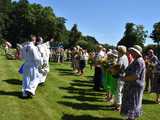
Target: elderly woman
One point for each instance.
(109, 82)
(123, 64)
(134, 85)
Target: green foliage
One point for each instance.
(150, 46)
(107, 46)
(133, 35)
(155, 35)
(18, 20)
(74, 36)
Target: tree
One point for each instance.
(20, 19)
(5, 7)
(155, 35)
(74, 36)
(133, 35)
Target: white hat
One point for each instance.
(114, 53)
(137, 49)
(122, 48)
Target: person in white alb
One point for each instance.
(30, 73)
(44, 49)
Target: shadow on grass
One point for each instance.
(66, 73)
(11, 93)
(62, 69)
(81, 84)
(13, 81)
(84, 98)
(80, 91)
(82, 81)
(148, 101)
(86, 117)
(86, 106)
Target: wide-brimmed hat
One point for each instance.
(99, 47)
(137, 49)
(78, 47)
(122, 49)
(114, 53)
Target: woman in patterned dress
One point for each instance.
(134, 85)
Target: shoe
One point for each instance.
(29, 94)
(41, 84)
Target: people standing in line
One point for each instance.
(75, 59)
(153, 74)
(98, 68)
(82, 62)
(86, 56)
(62, 54)
(109, 82)
(151, 61)
(123, 64)
(91, 59)
(30, 73)
(134, 85)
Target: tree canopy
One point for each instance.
(18, 20)
(133, 35)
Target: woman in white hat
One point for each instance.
(134, 85)
(123, 64)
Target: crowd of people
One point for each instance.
(122, 73)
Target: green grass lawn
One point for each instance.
(64, 97)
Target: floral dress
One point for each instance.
(133, 90)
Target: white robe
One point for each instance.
(32, 61)
(45, 52)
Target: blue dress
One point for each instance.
(133, 90)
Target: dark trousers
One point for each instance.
(148, 80)
(97, 78)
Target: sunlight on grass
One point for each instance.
(64, 97)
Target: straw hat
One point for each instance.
(137, 49)
(99, 47)
(114, 53)
(122, 49)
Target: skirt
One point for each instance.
(155, 82)
(109, 83)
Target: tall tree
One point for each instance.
(133, 35)
(155, 35)
(5, 8)
(74, 36)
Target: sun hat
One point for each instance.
(122, 49)
(137, 49)
(99, 47)
(114, 53)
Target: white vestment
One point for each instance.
(45, 52)
(30, 74)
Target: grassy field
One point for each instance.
(64, 97)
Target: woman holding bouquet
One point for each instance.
(109, 82)
(134, 85)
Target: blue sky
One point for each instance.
(105, 19)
